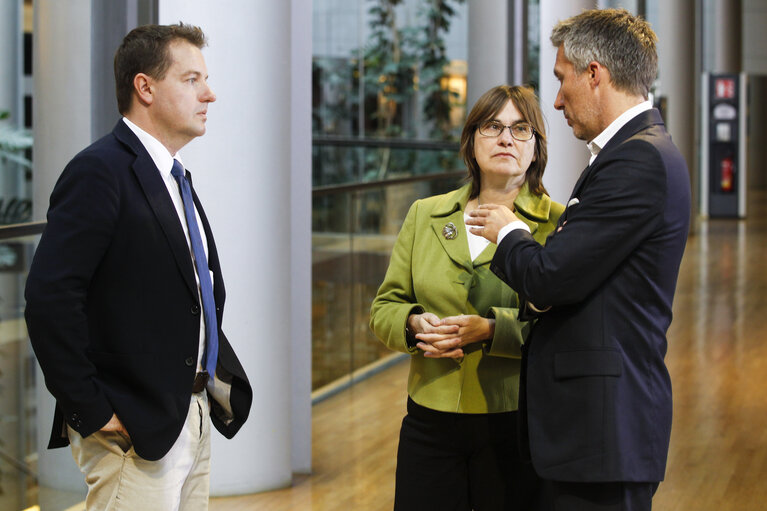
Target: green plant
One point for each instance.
(400, 62)
(394, 86)
(439, 98)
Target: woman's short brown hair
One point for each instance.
(485, 109)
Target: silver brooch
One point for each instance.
(449, 231)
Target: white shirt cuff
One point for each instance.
(506, 229)
(536, 309)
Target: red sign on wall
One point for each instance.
(724, 88)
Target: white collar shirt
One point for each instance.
(163, 160)
(603, 138)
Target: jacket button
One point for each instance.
(189, 361)
(195, 309)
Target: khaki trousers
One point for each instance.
(119, 480)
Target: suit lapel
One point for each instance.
(456, 248)
(638, 123)
(485, 256)
(447, 216)
(581, 180)
(157, 195)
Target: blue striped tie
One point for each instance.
(206, 286)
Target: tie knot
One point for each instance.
(178, 169)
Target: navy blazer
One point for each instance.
(113, 311)
(597, 391)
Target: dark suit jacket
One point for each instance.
(598, 394)
(112, 305)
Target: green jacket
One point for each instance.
(430, 273)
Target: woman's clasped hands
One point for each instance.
(446, 337)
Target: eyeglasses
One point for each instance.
(519, 131)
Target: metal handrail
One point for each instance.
(321, 191)
(391, 143)
(33, 228)
(19, 230)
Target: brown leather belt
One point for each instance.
(200, 381)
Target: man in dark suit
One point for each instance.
(125, 296)
(597, 391)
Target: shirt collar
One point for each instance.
(531, 206)
(603, 138)
(158, 152)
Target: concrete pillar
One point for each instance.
(568, 156)
(677, 75)
(301, 234)
(490, 47)
(62, 122)
(757, 133)
(754, 62)
(62, 127)
(242, 171)
(722, 40)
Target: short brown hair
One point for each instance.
(145, 50)
(485, 109)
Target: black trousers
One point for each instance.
(462, 462)
(617, 496)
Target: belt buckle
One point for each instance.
(200, 381)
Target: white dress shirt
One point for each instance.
(163, 160)
(603, 138)
(476, 243)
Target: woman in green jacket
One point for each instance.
(441, 303)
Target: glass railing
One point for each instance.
(354, 228)
(18, 432)
(352, 160)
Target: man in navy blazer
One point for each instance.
(596, 391)
(113, 295)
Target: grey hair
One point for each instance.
(621, 42)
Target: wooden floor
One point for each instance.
(718, 363)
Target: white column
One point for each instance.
(242, 171)
(675, 28)
(62, 127)
(62, 99)
(489, 33)
(725, 16)
(301, 234)
(568, 156)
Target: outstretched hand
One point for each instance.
(488, 220)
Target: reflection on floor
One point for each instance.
(354, 444)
